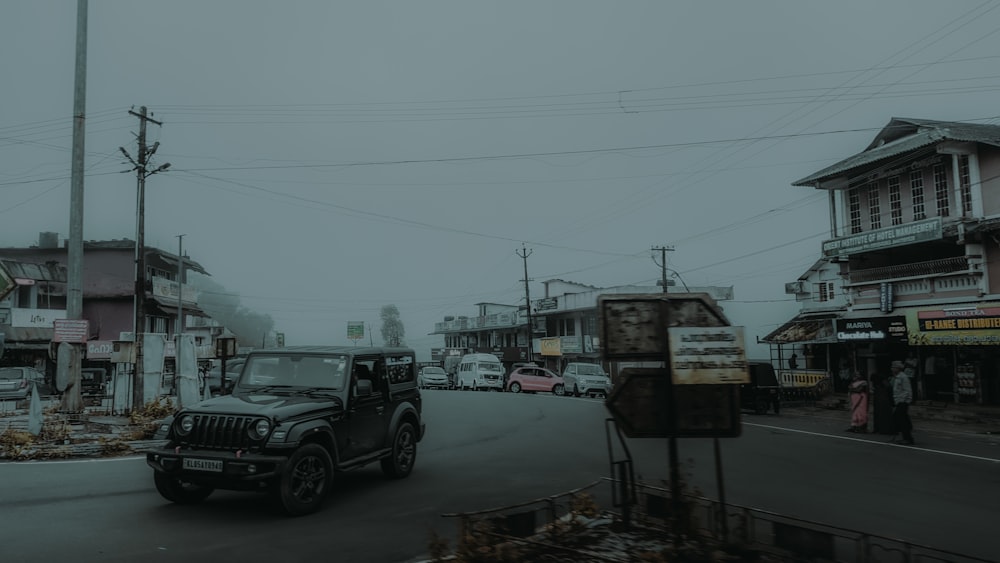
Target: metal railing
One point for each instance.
(957, 264)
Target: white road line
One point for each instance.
(64, 461)
(875, 442)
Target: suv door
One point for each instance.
(368, 413)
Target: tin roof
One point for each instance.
(905, 135)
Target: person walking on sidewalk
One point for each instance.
(902, 395)
(858, 390)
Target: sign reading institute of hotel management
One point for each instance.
(899, 235)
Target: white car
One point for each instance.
(586, 379)
(433, 377)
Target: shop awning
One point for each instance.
(169, 308)
(804, 330)
(26, 337)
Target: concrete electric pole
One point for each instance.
(72, 401)
(527, 297)
(140, 165)
(662, 264)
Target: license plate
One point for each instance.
(203, 464)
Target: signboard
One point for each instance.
(976, 324)
(355, 330)
(885, 297)
(570, 344)
(550, 346)
(639, 405)
(708, 355)
(99, 349)
(634, 327)
(546, 304)
(875, 328)
(66, 330)
(899, 235)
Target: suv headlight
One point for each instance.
(185, 425)
(260, 429)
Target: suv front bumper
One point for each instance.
(216, 467)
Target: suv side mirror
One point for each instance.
(363, 387)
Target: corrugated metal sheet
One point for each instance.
(904, 135)
(804, 330)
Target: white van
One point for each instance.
(480, 371)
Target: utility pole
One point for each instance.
(142, 172)
(662, 264)
(72, 401)
(179, 329)
(527, 296)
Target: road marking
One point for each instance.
(66, 460)
(852, 439)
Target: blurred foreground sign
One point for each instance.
(640, 405)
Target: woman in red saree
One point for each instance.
(858, 391)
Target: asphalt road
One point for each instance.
(485, 450)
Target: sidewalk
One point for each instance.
(984, 417)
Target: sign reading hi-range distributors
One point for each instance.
(899, 235)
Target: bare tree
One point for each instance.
(392, 328)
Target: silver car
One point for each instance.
(586, 379)
(16, 383)
(432, 377)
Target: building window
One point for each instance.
(965, 183)
(895, 201)
(874, 210)
(569, 327)
(854, 205)
(941, 190)
(825, 291)
(156, 325)
(917, 194)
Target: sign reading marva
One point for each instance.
(707, 355)
(917, 231)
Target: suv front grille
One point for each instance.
(220, 432)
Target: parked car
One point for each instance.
(480, 371)
(763, 393)
(296, 417)
(586, 379)
(531, 379)
(16, 382)
(233, 368)
(433, 377)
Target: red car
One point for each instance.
(531, 379)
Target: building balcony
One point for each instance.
(945, 266)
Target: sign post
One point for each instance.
(355, 331)
(694, 393)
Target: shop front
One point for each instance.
(959, 350)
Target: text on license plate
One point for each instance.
(203, 464)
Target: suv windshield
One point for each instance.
(295, 370)
(589, 369)
(491, 366)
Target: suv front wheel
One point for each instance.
(304, 483)
(179, 491)
(404, 452)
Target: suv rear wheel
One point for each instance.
(404, 452)
(304, 483)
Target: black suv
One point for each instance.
(295, 417)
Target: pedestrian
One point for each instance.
(793, 361)
(902, 395)
(858, 391)
(882, 404)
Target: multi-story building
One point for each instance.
(565, 325)
(911, 270)
(108, 296)
(35, 300)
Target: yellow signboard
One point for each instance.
(974, 324)
(551, 346)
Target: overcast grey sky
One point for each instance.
(329, 158)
